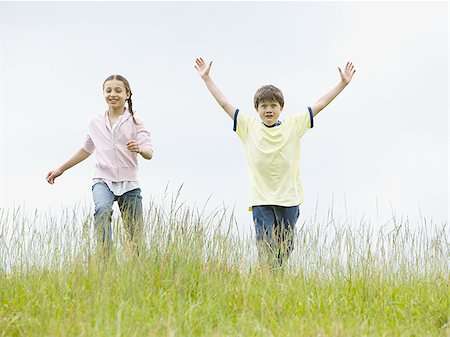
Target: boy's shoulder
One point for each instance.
(247, 117)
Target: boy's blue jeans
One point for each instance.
(274, 227)
(130, 205)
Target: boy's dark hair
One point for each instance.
(268, 93)
(127, 88)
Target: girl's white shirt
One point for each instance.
(118, 188)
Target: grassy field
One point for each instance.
(197, 277)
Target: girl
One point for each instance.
(117, 137)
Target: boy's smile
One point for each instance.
(269, 112)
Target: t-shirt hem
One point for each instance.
(235, 120)
(283, 204)
(311, 117)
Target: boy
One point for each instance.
(272, 148)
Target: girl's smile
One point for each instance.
(115, 94)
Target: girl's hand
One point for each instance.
(52, 175)
(202, 68)
(347, 74)
(133, 146)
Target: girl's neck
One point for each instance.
(116, 112)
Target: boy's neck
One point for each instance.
(273, 125)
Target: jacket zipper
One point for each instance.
(113, 132)
(114, 145)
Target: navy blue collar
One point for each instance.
(273, 125)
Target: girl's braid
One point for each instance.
(130, 108)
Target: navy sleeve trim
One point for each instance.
(235, 120)
(311, 117)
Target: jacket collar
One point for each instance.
(125, 116)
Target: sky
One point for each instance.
(379, 149)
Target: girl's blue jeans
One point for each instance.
(130, 205)
(274, 226)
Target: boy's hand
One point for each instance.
(202, 68)
(347, 74)
(346, 77)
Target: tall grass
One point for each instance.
(199, 276)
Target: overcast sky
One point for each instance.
(382, 145)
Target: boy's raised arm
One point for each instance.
(203, 70)
(346, 77)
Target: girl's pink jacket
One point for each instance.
(114, 161)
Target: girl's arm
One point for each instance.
(346, 77)
(145, 151)
(77, 158)
(142, 144)
(203, 70)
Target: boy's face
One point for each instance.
(269, 111)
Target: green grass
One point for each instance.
(197, 278)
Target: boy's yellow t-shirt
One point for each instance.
(273, 157)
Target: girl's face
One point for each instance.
(115, 94)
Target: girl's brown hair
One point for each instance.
(127, 88)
